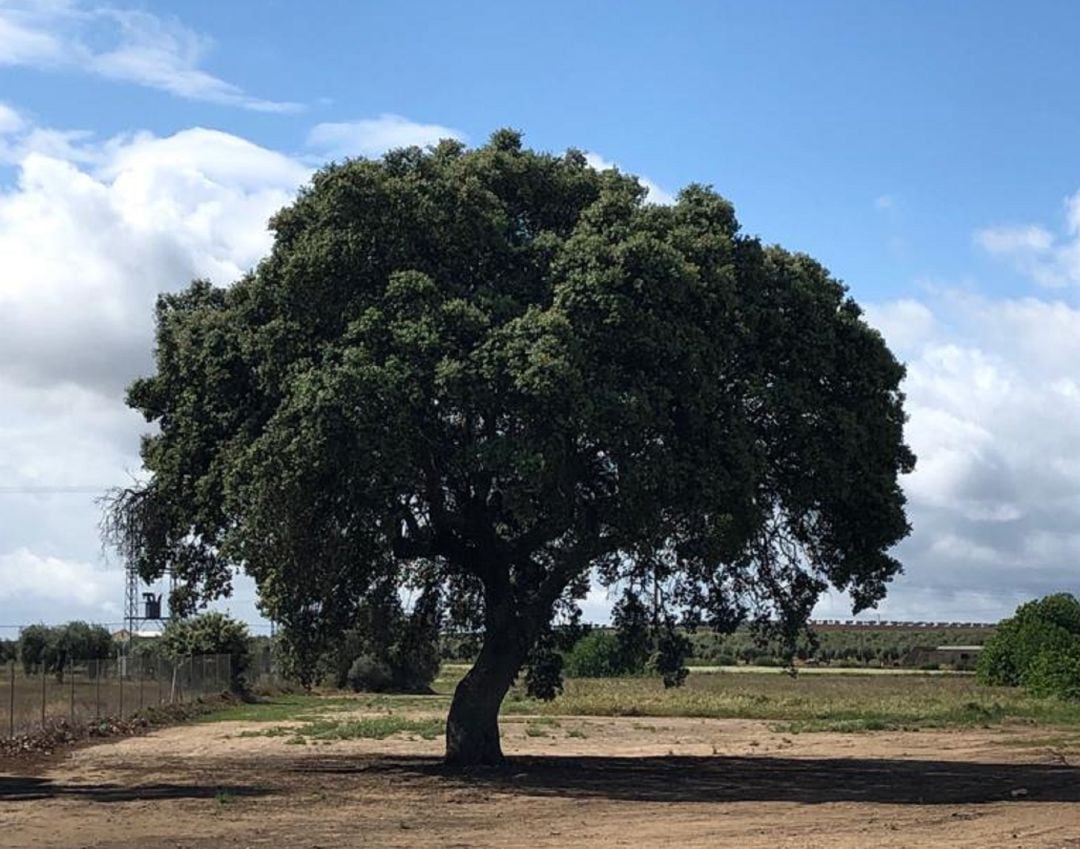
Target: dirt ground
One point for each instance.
(587, 782)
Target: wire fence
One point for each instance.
(84, 691)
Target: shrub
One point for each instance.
(596, 655)
(386, 638)
(370, 674)
(1036, 648)
(1055, 673)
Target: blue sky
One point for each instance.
(926, 152)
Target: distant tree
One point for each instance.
(34, 641)
(1038, 647)
(505, 372)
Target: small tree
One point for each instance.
(211, 633)
(34, 642)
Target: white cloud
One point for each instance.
(655, 194)
(148, 214)
(372, 137)
(90, 233)
(32, 583)
(125, 45)
(22, 43)
(1047, 258)
(994, 409)
(10, 120)
(906, 323)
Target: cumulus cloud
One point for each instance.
(655, 194)
(126, 45)
(32, 584)
(1050, 259)
(87, 248)
(10, 120)
(372, 137)
(90, 233)
(994, 407)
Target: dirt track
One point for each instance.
(627, 782)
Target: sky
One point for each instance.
(927, 153)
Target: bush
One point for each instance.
(1055, 673)
(387, 639)
(596, 655)
(1037, 648)
(370, 674)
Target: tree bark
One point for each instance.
(472, 727)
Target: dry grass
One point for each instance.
(807, 702)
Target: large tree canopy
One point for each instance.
(495, 375)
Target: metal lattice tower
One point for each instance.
(142, 607)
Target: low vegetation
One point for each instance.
(824, 702)
(1038, 648)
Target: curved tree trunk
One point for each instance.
(472, 727)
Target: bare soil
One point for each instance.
(587, 782)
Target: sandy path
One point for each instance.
(588, 782)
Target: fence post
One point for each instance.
(71, 683)
(142, 661)
(43, 680)
(120, 664)
(11, 702)
(97, 689)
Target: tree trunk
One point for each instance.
(472, 727)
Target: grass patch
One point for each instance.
(280, 708)
(368, 728)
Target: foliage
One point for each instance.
(57, 647)
(1055, 672)
(633, 632)
(597, 655)
(1037, 647)
(544, 669)
(865, 645)
(501, 372)
(209, 634)
(387, 648)
(371, 674)
(669, 655)
(9, 650)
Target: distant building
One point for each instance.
(957, 657)
(123, 635)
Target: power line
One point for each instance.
(51, 490)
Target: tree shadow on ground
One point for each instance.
(746, 779)
(33, 789)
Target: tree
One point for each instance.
(507, 374)
(210, 633)
(34, 641)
